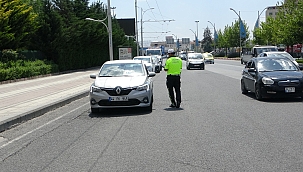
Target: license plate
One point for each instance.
(290, 89)
(117, 98)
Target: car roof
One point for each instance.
(265, 46)
(269, 57)
(276, 52)
(142, 56)
(122, 61)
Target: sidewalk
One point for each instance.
(23, 100)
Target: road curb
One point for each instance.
(17, 120)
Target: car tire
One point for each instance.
(94, 110)
(187, 68)
(203, 67)
(258, 93)
(150, 107)
(243, 89)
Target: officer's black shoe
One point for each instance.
(178, 105)
(172, 105)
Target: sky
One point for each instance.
(185, 13)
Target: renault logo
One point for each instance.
(118, 90)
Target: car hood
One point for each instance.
(284, 74)
(195, 60)
(124, 82)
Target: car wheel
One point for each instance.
(150, 107)
(258, 92)
(243, 89)
(94, 110)
(203, 67)
(242, 61)
(187, 68)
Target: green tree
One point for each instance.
(207, 41)
(17, 24)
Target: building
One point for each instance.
(272, 11)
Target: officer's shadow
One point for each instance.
(173, 109)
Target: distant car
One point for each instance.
(148, 61)
(157, 63)
(122, 83)
(278, 54)
(255, 51)
(269, 77)
(182, 56)
(195, 60)
(209, 58)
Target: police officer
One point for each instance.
(173, 67)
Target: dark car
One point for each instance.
(270, 77)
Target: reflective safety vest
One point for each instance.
(173, 66)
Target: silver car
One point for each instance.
(148, 61)
(195, 60)
(122, 83)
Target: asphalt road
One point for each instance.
(216, 129)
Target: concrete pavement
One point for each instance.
(23, 100)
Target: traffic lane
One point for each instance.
(216, 129)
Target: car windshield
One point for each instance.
(121, 69)
(281, 54)
(261, 50)
(195, 56)
(144, 59)
(153, 52)
(209, 56)
(272, 64)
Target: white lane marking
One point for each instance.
(20, 137)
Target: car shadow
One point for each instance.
(276, 100)
(119, 112)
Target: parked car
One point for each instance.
(272, 77)
(255, 51)
(195, 60)
(157, 63)
(209, 58)
(278, 54)
(122, 83)
(182, 56)
(148, 61)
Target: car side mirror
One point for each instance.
(301, 67)
(93, 76)
(151, 74)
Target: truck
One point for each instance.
(255, 51)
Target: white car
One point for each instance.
(148, 61)
(195, 60)
(120, 84)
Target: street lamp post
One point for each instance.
(259, 14)
(137, 37)
(142, 13)
(176, 42)
(195, 36)
(109, 30)
(197, 39)
(214, 34)
(239, 29)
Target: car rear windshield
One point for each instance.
(147, 59)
